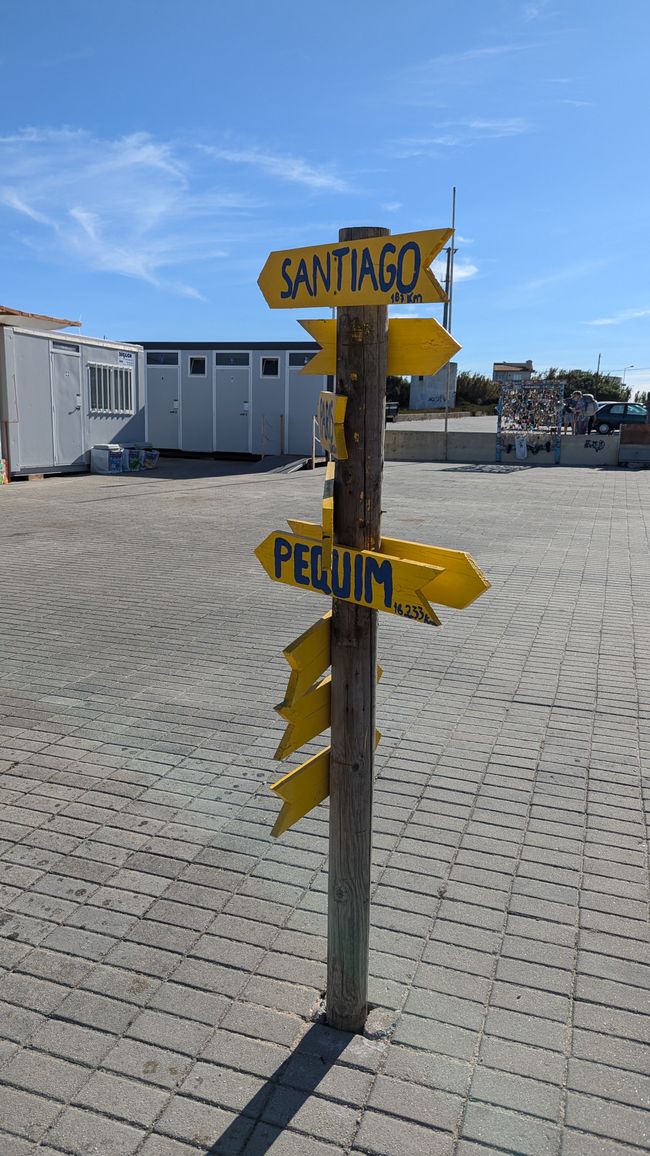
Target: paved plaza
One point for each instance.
(164, 956)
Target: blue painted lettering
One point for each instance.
(325, 274)
(338, 255)
(318, 578)
(341, 586)
(358, 577)
(402, 285)
(367, 269)
(282, 551)
(354, 260)
(285, 265)
(301, 563)
(387, 272)
(302, 278)
(382, 574)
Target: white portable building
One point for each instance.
(231, 398)
(61, 394)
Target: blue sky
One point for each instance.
(153, 153)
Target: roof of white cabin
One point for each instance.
(40, 321)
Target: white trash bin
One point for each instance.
(106, 459)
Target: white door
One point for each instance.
(233, 409)
(163, 406)
(67, 418)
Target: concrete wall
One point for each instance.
(409, 445)
(594, 450)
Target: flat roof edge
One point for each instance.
(240, 346)
(75, 338)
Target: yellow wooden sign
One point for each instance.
(331, 415)
(307, 717)
(303, 789)
(309, 658)
(459, 583)
(371, 271)
(364, 577)
(416, 345)
(328, 517)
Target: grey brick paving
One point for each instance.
(161, 955)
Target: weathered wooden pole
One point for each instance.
(361, 362)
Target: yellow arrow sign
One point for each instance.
(416, 345)
(307, 716)
(459, 584)
(303, 789)
(309, 657)
(371, 271)
(364, 577)
(331, 415)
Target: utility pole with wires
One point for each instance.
(449, 288)
(597, 375)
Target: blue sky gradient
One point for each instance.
(152, 154)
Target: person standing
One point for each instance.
(579, 413)
(567, 415)
(591, 409)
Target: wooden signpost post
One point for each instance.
(346, 558)
(361, 370)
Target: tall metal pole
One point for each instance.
(445, 308)
(449, 287)
(361, 366)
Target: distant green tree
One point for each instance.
(476, 389)
(641, 396)
(604, 386)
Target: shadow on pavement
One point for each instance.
(487, 468)
(177, 469)
(263, 1119)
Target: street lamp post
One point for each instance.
(625, 371)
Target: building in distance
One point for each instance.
(512, 372)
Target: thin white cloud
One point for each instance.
(130, 205)
(622, 317)
(429, 81)
(463, 133)
(42, 136)
(509, 126)
(463, 270)
(410, 311)
(420, 146)
(574, 271)
(392, 206)
(284, 167)
(470, 55)
(10, 198)
(533, 9)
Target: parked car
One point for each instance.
(392, 410)
(611, 414)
